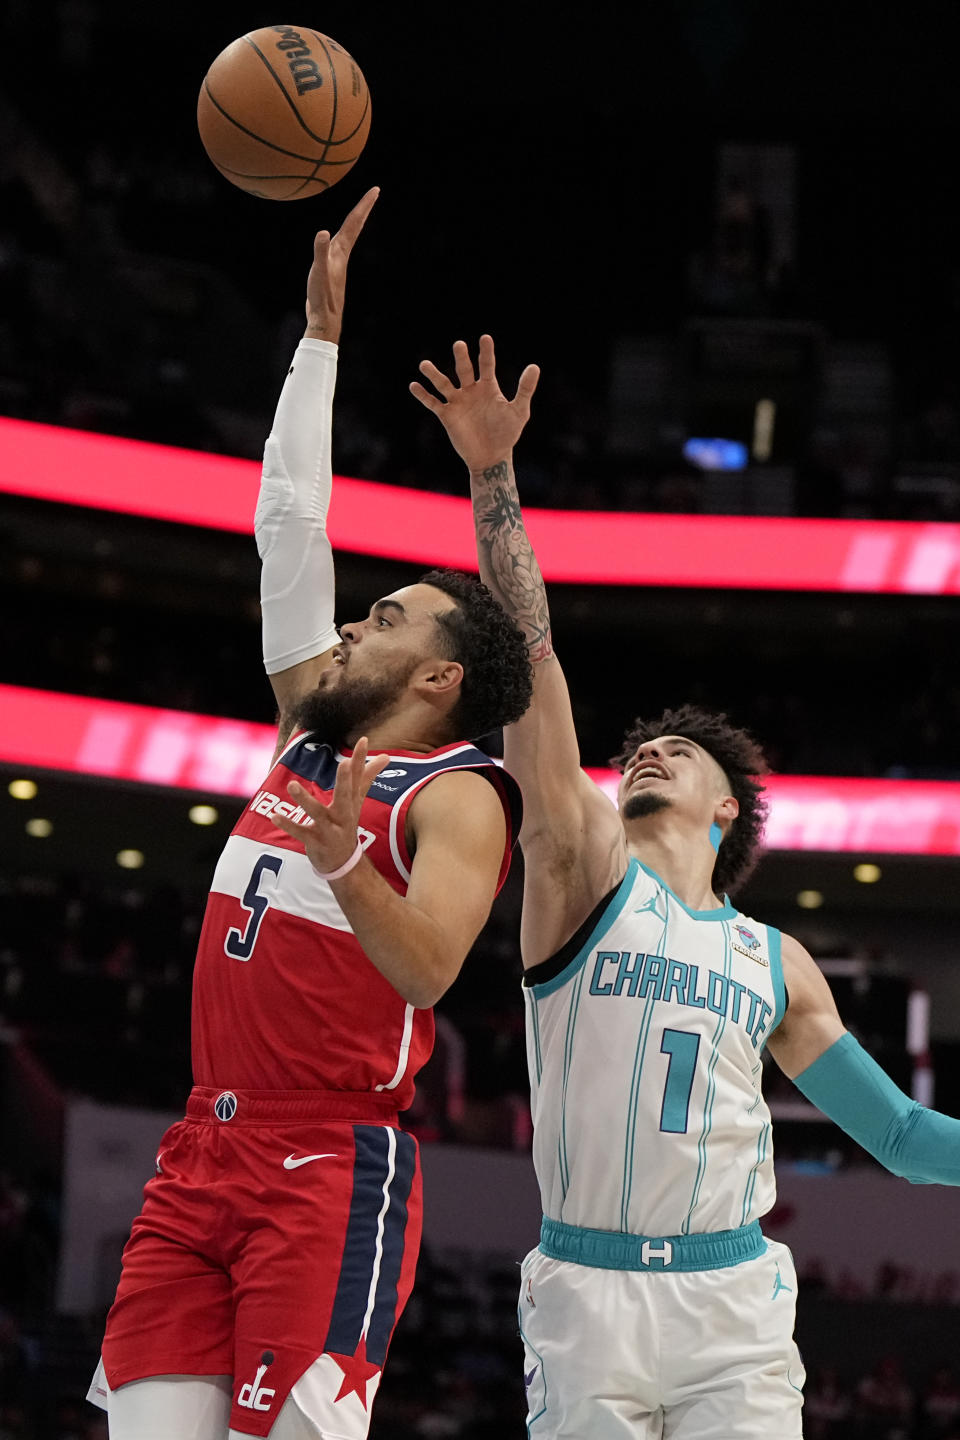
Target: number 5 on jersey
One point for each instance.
(239, 943)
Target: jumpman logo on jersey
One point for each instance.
(778, 1285)
(650, 905)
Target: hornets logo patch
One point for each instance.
(749, 946)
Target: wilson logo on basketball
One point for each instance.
(303, 68)
(283, 112)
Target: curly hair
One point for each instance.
(497, 674)
(741, 760)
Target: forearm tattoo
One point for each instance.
(507, 562)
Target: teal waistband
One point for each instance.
(609, 1250)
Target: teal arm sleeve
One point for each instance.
(849, 1086)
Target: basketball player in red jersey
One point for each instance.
(277, 1242)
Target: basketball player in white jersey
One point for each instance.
(654, 1306)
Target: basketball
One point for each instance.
(284, 112)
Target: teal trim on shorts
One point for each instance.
(611, 1250)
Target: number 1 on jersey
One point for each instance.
(239, 943)
(682, 1047)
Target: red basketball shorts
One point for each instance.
(284, 1232)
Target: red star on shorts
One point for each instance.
(357, 1370)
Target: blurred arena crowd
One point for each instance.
(121, 956)
(463, 1314)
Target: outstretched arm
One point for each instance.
(297, 581)
(572, 838)
(483, 427)
(834, 1072)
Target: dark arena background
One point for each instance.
(728, 233)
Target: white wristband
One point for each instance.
(345, 868)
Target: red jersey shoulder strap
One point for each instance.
(465, 758)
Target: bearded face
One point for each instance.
(343, 708)
(644, 802)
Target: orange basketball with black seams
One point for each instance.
(284, 112)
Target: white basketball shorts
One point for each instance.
(650, 1355)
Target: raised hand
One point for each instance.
(332, 837)
(327, 280)
(483, 425)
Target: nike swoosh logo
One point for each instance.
(292, 1163)
(528, 1379)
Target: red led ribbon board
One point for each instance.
(586, 547)
(77, 735)
(892, 817)
(133, 742)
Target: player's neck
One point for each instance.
(413, 727)
(682, 861)
(392, 737)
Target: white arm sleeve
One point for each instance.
(296, 579)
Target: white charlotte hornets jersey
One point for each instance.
(644, 1041)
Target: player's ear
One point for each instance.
(441, 677)
(728, 808)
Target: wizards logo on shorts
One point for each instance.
(225, 1105)
(750, 945)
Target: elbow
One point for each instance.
(425, 992)
(430, 983)
(420, 996)
(423, 1000)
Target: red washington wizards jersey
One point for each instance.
(283, 996)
